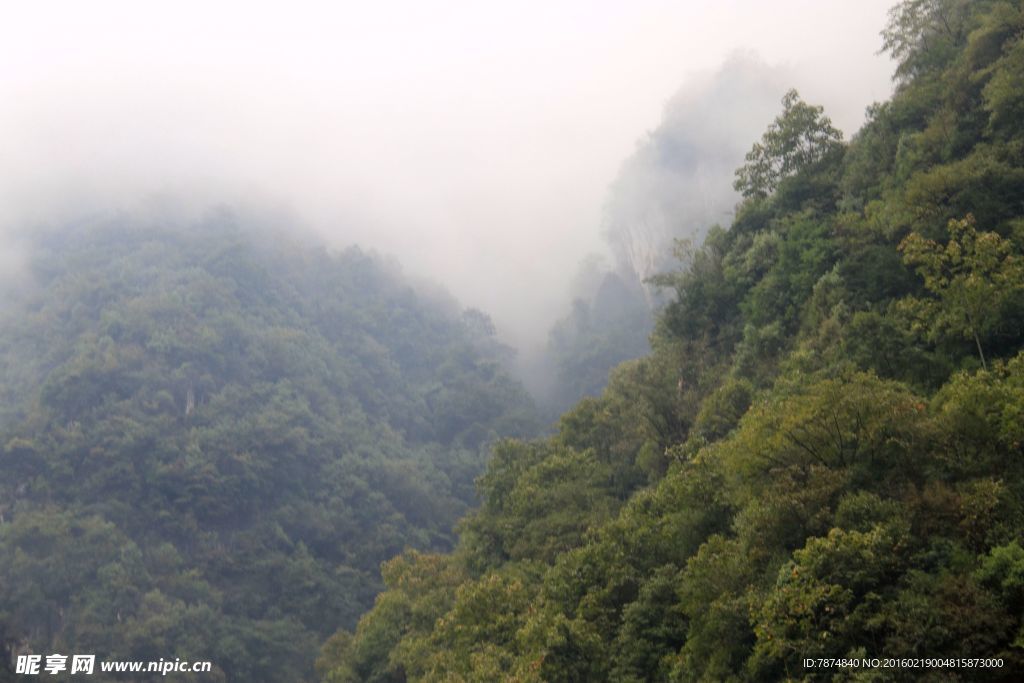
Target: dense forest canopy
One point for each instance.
(212, 435)
(820, 457)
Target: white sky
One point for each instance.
(473, 140)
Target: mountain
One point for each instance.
(818, 464)
(212, 434)
(676, 185)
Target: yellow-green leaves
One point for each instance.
(971, 278)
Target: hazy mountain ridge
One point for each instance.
(675, 186)
(212, 436)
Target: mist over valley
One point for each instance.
(534, 342)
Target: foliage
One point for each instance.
(597, 334)
(975, 276)
(798, 139)
(821, 456)
(211, 438)
(923, 35)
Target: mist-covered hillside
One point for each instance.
(676, 185)
(820, 462)
(211, 436)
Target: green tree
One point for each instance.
(923, 35)
(798, 138)
(973, 276)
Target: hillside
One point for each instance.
(675, 185)
(212, 435)
(821, 456)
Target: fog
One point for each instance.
(490, 147)
(678, 182)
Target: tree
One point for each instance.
(973, 277)
(799, 137)
(924, 35)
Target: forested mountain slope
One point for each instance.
(676, 184)
(211, 437)
(822, 454)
